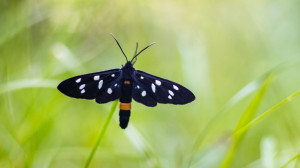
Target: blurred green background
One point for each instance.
(224, 51)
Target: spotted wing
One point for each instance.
(150, 90)
(103, 86)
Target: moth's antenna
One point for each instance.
(136, 48)
(143, 50)
(135, 53)
(119, 45)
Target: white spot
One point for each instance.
(97, 77)
(82, 91)
(138, 86)
(116, 85)
(78, 80)
(109, 91)
(157, 82)
(175, 87)
(170, 97)
(171, 93)
(112, 75)
(142, 77)
(100, 84)
(153, 87)
(81, 86)
(144, 93)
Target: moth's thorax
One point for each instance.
(127, 70)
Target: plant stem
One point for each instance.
(111, 112)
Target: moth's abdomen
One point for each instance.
(124, 114)
(125, 103)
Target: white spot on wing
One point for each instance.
(171, 93)
(144, 93)
(78, 80)
(82, 91)
(157, 82)
(81, 86)
(153, 87)
(100, 84)
(170, 97)
(112, 75)
(97, 77)
(109, 91)
(138, 86)
(142, 77)
(175, 87)
(116, 85)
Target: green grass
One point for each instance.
(291, 160)
(247, 116)
(103, 130)
(240, 58)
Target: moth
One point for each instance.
(124, 84)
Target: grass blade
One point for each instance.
(246, 117)
(266, 113)
(142, 145)
(253, 106)
(291, 160)
(108, 119)
(237, 97)
(28, 83)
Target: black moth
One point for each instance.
(124, 84)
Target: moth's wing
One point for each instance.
(111, 89)
(159, 90)
(103, 86)
(142, 92)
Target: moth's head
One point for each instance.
(127, 65)
(134, 58)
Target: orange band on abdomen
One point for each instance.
(127, 82)
(125, 106)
